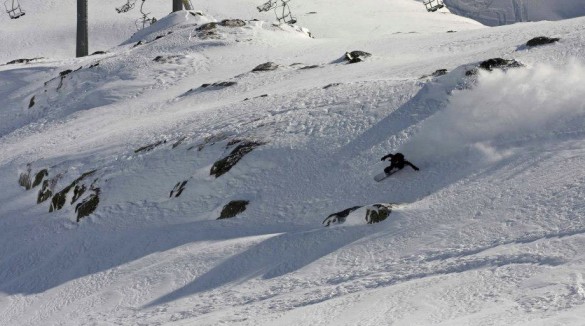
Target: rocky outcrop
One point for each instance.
(222, 166)
(150, 147)
(268, 66)
(88, 205)
(437, 73)
(60, 198)
(24, 178)
(32, 102)
(220, 84)
(339, 217)
(233, 208)
(499, 63)
(232, 23)
(377, 213)
(39, 177)
(495, 63)
(356, 56)
(541, 40)
(178, 189)
(24, 60)
(373, 214)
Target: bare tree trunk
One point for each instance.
(177, 5)
(82, 48)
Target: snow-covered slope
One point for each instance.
(489, 231)
(501, 12)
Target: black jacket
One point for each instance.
(398, 161)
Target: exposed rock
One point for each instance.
(178, 189)
(23, 60)
(224, 165)
(377, 213)
(179, 142)
(339, 217)
(94, 65)
(356, 56)
(451, 31)
(232, 209)
(138, 43)
(88, 205)
(268, 66)
(60, 198)
(78, 191)
(45, 192)
(32, 102)
(150, 147)
(331, 85)
(437, 73)
(220, 84)
(207, 26)
(167, 58)
(39, 177)
(499, 63)
(24, 178)
(541, 40)
(310, 67)
(99, 52)
(232, 23)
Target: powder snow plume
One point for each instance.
(525, 103)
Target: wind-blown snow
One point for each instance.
(535, 103)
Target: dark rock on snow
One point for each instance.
(331, 85)
(356, 56)
(178, 189)
(60, 198)
(437, 73)
(24, 60)
(232, 23)
(39, 177)
(99, 52)
(377, 213)
(268, 66)
(232, 209)
(499, 63)
(32, 102)
(220, 84)
(541, 40)
(150, 147)
(222, 166)
(339, 217)
(88, 205)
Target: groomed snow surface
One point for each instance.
(490, 231)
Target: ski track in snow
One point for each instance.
(491, 234)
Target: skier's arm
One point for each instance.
(387, 156)
(411, 165)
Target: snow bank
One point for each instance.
(504, 106)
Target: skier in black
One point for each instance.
(397, 161)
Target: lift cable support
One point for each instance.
(129, 5)
(145, 21)
(13, 9)
(433, 5)
(187, 4)
(281, 10)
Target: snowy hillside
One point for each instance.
(217, 169)
(501, 12)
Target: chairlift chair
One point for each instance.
(126, 7)
(433, 5)
(14, 11)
